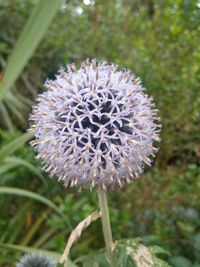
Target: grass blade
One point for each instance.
(29, 194)
(5, 167)
(6, 118)
(21, 162)
(29, 39)
(44, 238)
(13, 145)
(30, 234)
(15, 223)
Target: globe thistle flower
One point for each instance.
(95, 126)
(35, 260)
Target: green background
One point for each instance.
(158, 40)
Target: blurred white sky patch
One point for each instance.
(198, 3)
(79, 10)
(88, 2)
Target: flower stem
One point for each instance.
(106, 224)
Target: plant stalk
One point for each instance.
(106, 224)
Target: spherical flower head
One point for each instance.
(95, 126)
(35, 260)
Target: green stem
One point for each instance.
(106, 224)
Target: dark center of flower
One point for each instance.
(97, 120)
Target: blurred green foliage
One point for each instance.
(159, 41)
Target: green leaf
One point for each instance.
(6, 117)
(44, 238)
(8, 149)
(131, 252)
(158, 250)
(179, 261)
(12, 162)
(17, 161)
(94, 260)
(29, 194)
(127, 253)
(15, 225)
(7, 166)
(29, 39)
(30, 234)
(196, 243)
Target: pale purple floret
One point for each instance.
(95, 126)
(35, 260)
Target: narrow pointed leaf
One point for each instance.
(29, 194)
(29, 39)
(14, 145)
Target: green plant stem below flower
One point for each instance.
(106, 224)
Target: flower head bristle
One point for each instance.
(35, 260)
(95, 126)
